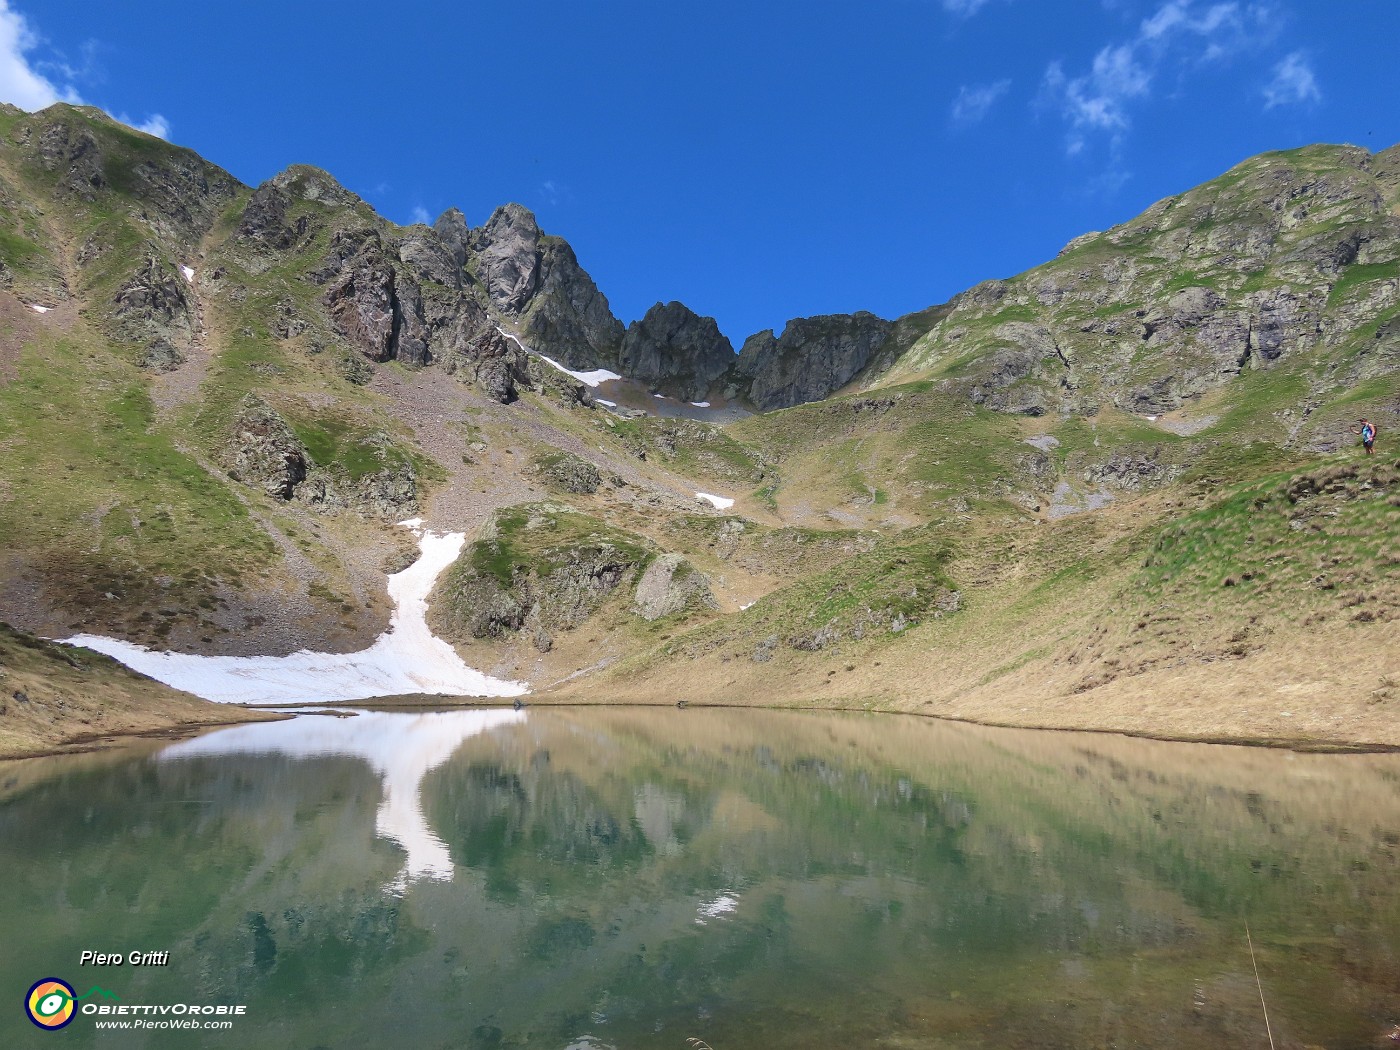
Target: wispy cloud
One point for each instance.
(974, 103)
(1098, 100)
(964, 8)
(1294, 83)
(23, 80)
(1178, 35)
(420, 214)
(155, 125)
(555, 192)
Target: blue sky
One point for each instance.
(756, 160)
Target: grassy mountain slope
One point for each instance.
(1026, 510)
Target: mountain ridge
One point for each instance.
(233, 392)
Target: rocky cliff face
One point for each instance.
(535, 281)
(677, 351)
(813, 358)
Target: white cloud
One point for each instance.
(420, 214)
(1294, 82)
(155, 125)
(20, 82)
(1178, 35)
(1098, 100)
(974, 103)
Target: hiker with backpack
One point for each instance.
(1367, 430)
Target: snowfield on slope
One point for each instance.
(407, 658)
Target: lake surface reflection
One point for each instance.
(632, 878)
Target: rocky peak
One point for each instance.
(451, 228)
(507, 257)
(303, 182)
(676, 351)
(265, 218)
(813, 358)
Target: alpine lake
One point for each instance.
(642, 877)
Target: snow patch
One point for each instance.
(605, 403)
(594, 378)
(407, 658)
(701, 404)
(723, 905)
(39, 309)
(188, 271)
(401, 748)
(748, 605)
(718, 502)
(661, 397)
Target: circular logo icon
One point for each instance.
(50, 1003)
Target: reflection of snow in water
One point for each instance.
(717, 908)
(401, 748)
(407, 658)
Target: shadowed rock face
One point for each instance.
(813, 358)
(676, 351)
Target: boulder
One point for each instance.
(669, 585)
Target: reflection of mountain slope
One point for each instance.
(852, 873)
(401, 748)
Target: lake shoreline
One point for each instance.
(1300, 744)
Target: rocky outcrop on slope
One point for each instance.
(404, 297)
(669, 585)
(264, 452)
(153, 310)
(676, 351)
(813, 358)
(543, 567)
